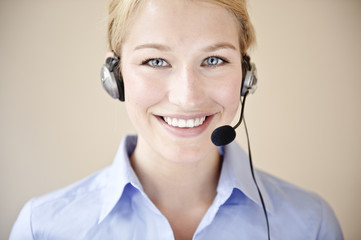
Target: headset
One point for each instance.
(112, 82)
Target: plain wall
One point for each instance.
(57, 125)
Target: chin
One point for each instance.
(189, 153)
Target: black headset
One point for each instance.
(112, 80)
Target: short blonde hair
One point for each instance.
(122, 11)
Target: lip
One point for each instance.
(186, 132)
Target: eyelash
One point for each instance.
(224, 61)
(148, 60)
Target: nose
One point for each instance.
(187, 89)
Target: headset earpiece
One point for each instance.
(249, 76)
(111, 78)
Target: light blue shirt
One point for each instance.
(111, 204)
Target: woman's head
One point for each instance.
(181, 65)
(122, 12)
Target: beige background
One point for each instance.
(57, 125)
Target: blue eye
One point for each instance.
(156, 62)
(213, 61)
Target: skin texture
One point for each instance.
(180, 59)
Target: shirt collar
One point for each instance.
(120, 174)
(236, 173)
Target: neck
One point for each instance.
(177, 185)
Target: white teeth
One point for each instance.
(173, 122)
(190, 123)
(182, 123)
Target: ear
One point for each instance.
(109, 55)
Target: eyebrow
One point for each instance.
(214, 47)
(153, 45)
(221, 45)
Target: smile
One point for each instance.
(184, 123)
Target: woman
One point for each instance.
(181, 63)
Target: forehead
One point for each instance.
(179, 21)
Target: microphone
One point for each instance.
(226, 134)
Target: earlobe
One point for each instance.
(109, 55)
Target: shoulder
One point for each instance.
(81, 189)
(63, 207)
(282, 190)
(306, 210)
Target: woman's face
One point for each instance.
(181, 66)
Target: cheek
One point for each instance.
(228, 93)
(141, 90)
(140, 95)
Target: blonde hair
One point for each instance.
(121, 13)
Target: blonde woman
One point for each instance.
(179, 66)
